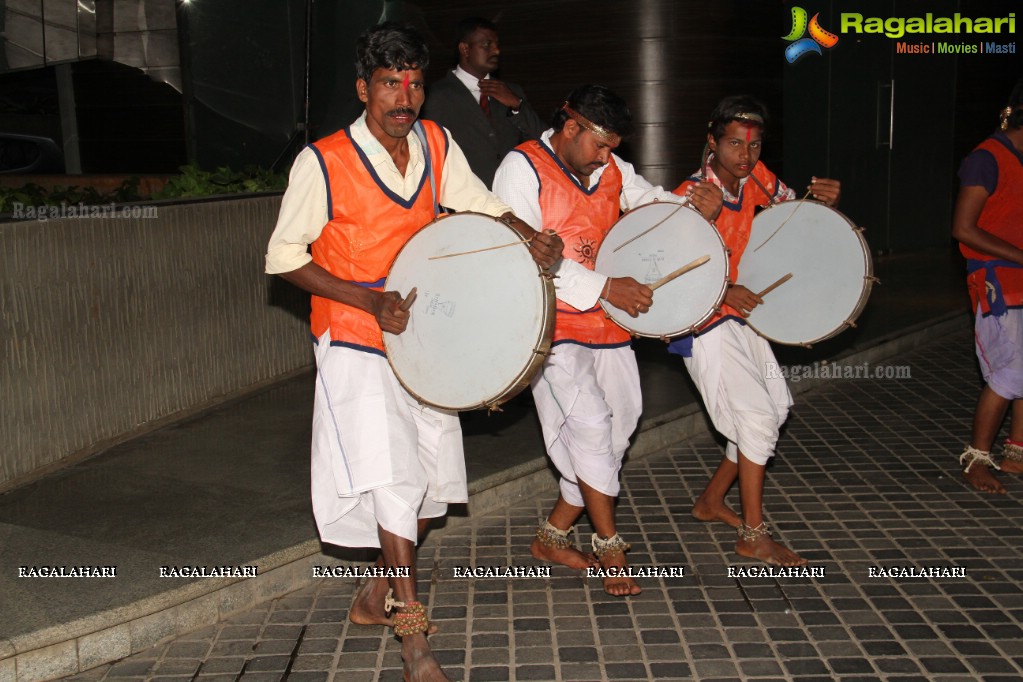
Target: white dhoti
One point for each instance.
(378, 456)
(747, 402)
(589, 402)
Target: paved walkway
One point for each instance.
(865, 479)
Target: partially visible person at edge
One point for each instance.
(383, 465)
(486, 116)
(988, 222)
(587, 393)
(727, 361)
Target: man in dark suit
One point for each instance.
(486, 116)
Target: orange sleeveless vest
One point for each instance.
(368, 226)
(582, 219)
(735, 222)
(1002, 216)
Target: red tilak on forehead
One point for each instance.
(404, 83)
(749, 132)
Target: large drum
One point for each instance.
(483, 316)
(649, 244)
(823, 264)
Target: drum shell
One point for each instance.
(466, 291)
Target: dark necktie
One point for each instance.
(485, 105)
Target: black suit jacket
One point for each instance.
(484, 140)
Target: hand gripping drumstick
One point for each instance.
(681, 271)
(774, 286)
(409, 300)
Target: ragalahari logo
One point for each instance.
(800, 46)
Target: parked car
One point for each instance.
(29, 154)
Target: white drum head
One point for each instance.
(479, 320)
(830, 265)
(679, 235)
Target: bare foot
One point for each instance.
(569, 556)
(618, 586)
(767, 550)
(368, 603)
(420, 665)
(704, 510)
(981, 478)
(1009, 466)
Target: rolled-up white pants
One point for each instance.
(745, 393)
(589, 402)
(378, 456)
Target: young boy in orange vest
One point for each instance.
(726, 359)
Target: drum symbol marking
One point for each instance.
(653, 272)
(435, 306)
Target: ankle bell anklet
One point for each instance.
(411, 620)
(1012, 452)
(550, 536)
(752, 534)
(609, 547)
(972, 455)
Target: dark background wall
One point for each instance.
(247, 68)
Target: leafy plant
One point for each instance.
(195, 182)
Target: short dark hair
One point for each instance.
(600, 106)
(390, 45)
(730, 108)
(1015, 119)
(468, 26)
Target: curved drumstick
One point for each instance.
(774, 286)
(685, 200)
(409, 300)
(681, 271)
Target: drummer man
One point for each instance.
(727, 361)
(382, 464)
(587, 393)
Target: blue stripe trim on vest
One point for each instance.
(568, 173)
(376, 178)
(356, 346)
(326, 181)
(529, 161)
(621, 344)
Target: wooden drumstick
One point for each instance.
(774, 286)
(681, 271)
(409, 300)
(651, 229)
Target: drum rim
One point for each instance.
(721, 294)
(541, 348)
(868, 278)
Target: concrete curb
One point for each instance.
(115, 634)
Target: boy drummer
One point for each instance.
(726, 359)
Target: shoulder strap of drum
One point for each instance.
(428, 160)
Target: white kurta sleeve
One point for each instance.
(302, 217)
(636, 190)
